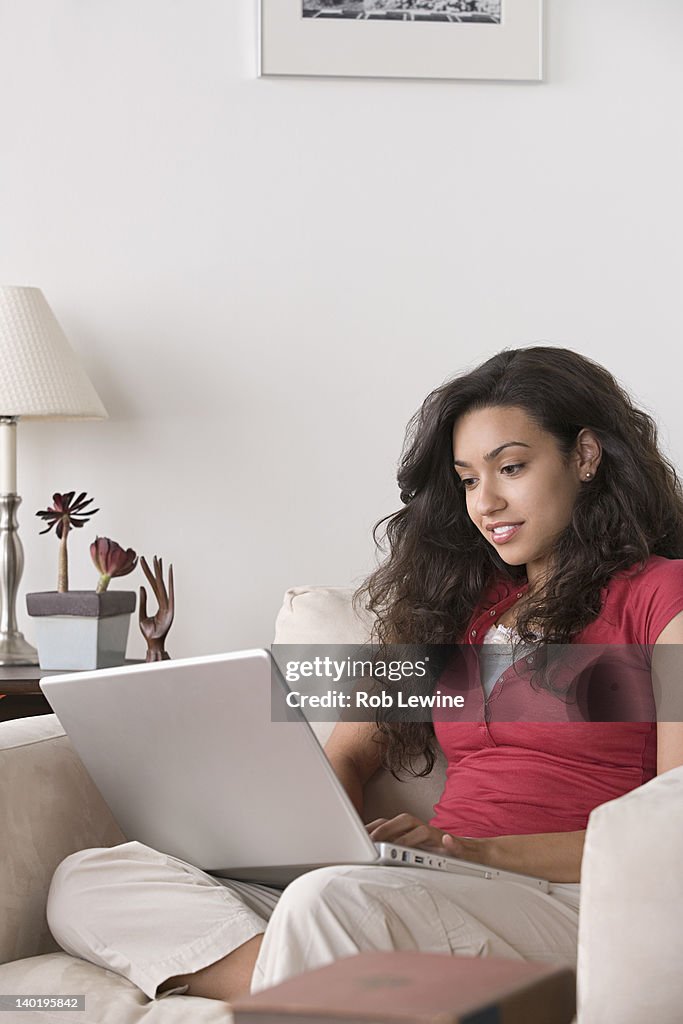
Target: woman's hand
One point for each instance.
(552, 855)
(407, 830)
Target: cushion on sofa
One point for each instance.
(49, 808)
(109, 998)
(630, 936)
(321, 615)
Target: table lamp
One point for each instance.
(41, 377)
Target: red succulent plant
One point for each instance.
(67, 512)
(111, 560)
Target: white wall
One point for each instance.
(265, 277)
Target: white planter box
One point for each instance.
(81, 629)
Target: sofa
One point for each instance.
(630, 942)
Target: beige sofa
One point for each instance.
(631, 941)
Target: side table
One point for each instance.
(23, 697)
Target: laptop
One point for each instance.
(192, 760)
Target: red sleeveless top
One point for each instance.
(525, 761)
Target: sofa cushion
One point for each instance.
(49, 808)
(630, 936)
(109, 998)
(321, 615)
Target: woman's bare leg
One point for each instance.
(226, 979)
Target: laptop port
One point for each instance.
(418, 859)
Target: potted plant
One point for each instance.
(82, 629)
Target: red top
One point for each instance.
(547, 772)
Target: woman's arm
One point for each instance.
(555, 856)
(667, 684)
(354, 750)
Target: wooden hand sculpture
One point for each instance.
(155, 627)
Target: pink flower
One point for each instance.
(111, 560)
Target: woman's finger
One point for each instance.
(391, 830)
(386, 832)
(422, 836)
(374, 824)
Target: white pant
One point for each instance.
(149, 917)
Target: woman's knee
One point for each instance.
(339, 911)
(73, 895)
(382, 907)
(304, 930)
(310, 888)
(347, 890)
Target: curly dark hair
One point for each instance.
(438, 563)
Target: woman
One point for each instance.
(537, 506)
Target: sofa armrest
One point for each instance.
(49, 808)
(630, 937)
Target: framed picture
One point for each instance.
(480, 39)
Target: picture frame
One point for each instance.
(431, 39)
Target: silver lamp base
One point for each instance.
(14, 650)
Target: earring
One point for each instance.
(588, 476)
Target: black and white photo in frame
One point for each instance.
(444, 39)
(455, 11)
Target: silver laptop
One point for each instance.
(191, 762)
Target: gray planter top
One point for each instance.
(81, 602)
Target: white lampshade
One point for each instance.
(40, 374)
